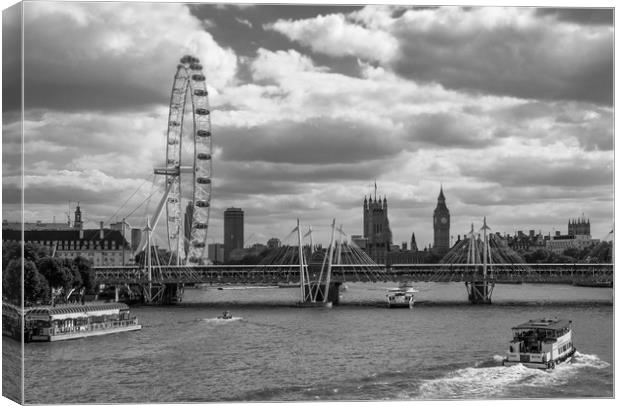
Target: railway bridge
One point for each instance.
(175, 277)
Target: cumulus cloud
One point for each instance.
(334, 35)
(121, 144)
(245, 22)
(116, 53)
(281, 64)
(504, 51)
(497, 50)
(91, 186)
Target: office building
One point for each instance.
(233, 231)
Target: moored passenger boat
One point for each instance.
(402, 296)
(66, 322)
(541, 344)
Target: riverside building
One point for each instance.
(103, 247)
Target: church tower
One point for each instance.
(377, 228)
(77, 222)
(441, 225)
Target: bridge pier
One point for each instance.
(173, 293)
(162, 294)
(479, 292)
(333, 293)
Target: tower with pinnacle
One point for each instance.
(441, 226)
(77, 222)
(377, 227)
(580, 226)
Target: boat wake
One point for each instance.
(489, 379)
(218, 320)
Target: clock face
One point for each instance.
(443, 220)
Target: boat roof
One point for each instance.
(67, 309)
(544, 324)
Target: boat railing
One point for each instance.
(95, 326)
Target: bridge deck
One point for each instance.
(289, 274)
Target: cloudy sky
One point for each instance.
(511, 109)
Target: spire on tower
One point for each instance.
(414, 246)
(484, 226)
(441, 196)
(375, 189)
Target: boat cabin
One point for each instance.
(534, 332)
(50, 323)
(541, 343)
(401, 296)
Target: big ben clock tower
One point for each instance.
(441, 225)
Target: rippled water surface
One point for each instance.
(272, 350)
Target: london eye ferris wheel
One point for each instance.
(188, 164)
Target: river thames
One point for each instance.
(273, 351)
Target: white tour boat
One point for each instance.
(66, 322)
(541, 344)
(402, 296)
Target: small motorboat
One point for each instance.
(225, 316)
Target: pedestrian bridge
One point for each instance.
(266, 275)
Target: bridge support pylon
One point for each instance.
(162, 294)
(317, 292)
(479, 292)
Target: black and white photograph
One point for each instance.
(220, 202)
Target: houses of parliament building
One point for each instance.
(377, 237)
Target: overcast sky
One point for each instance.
(511, 109)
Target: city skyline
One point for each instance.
(320, 103)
